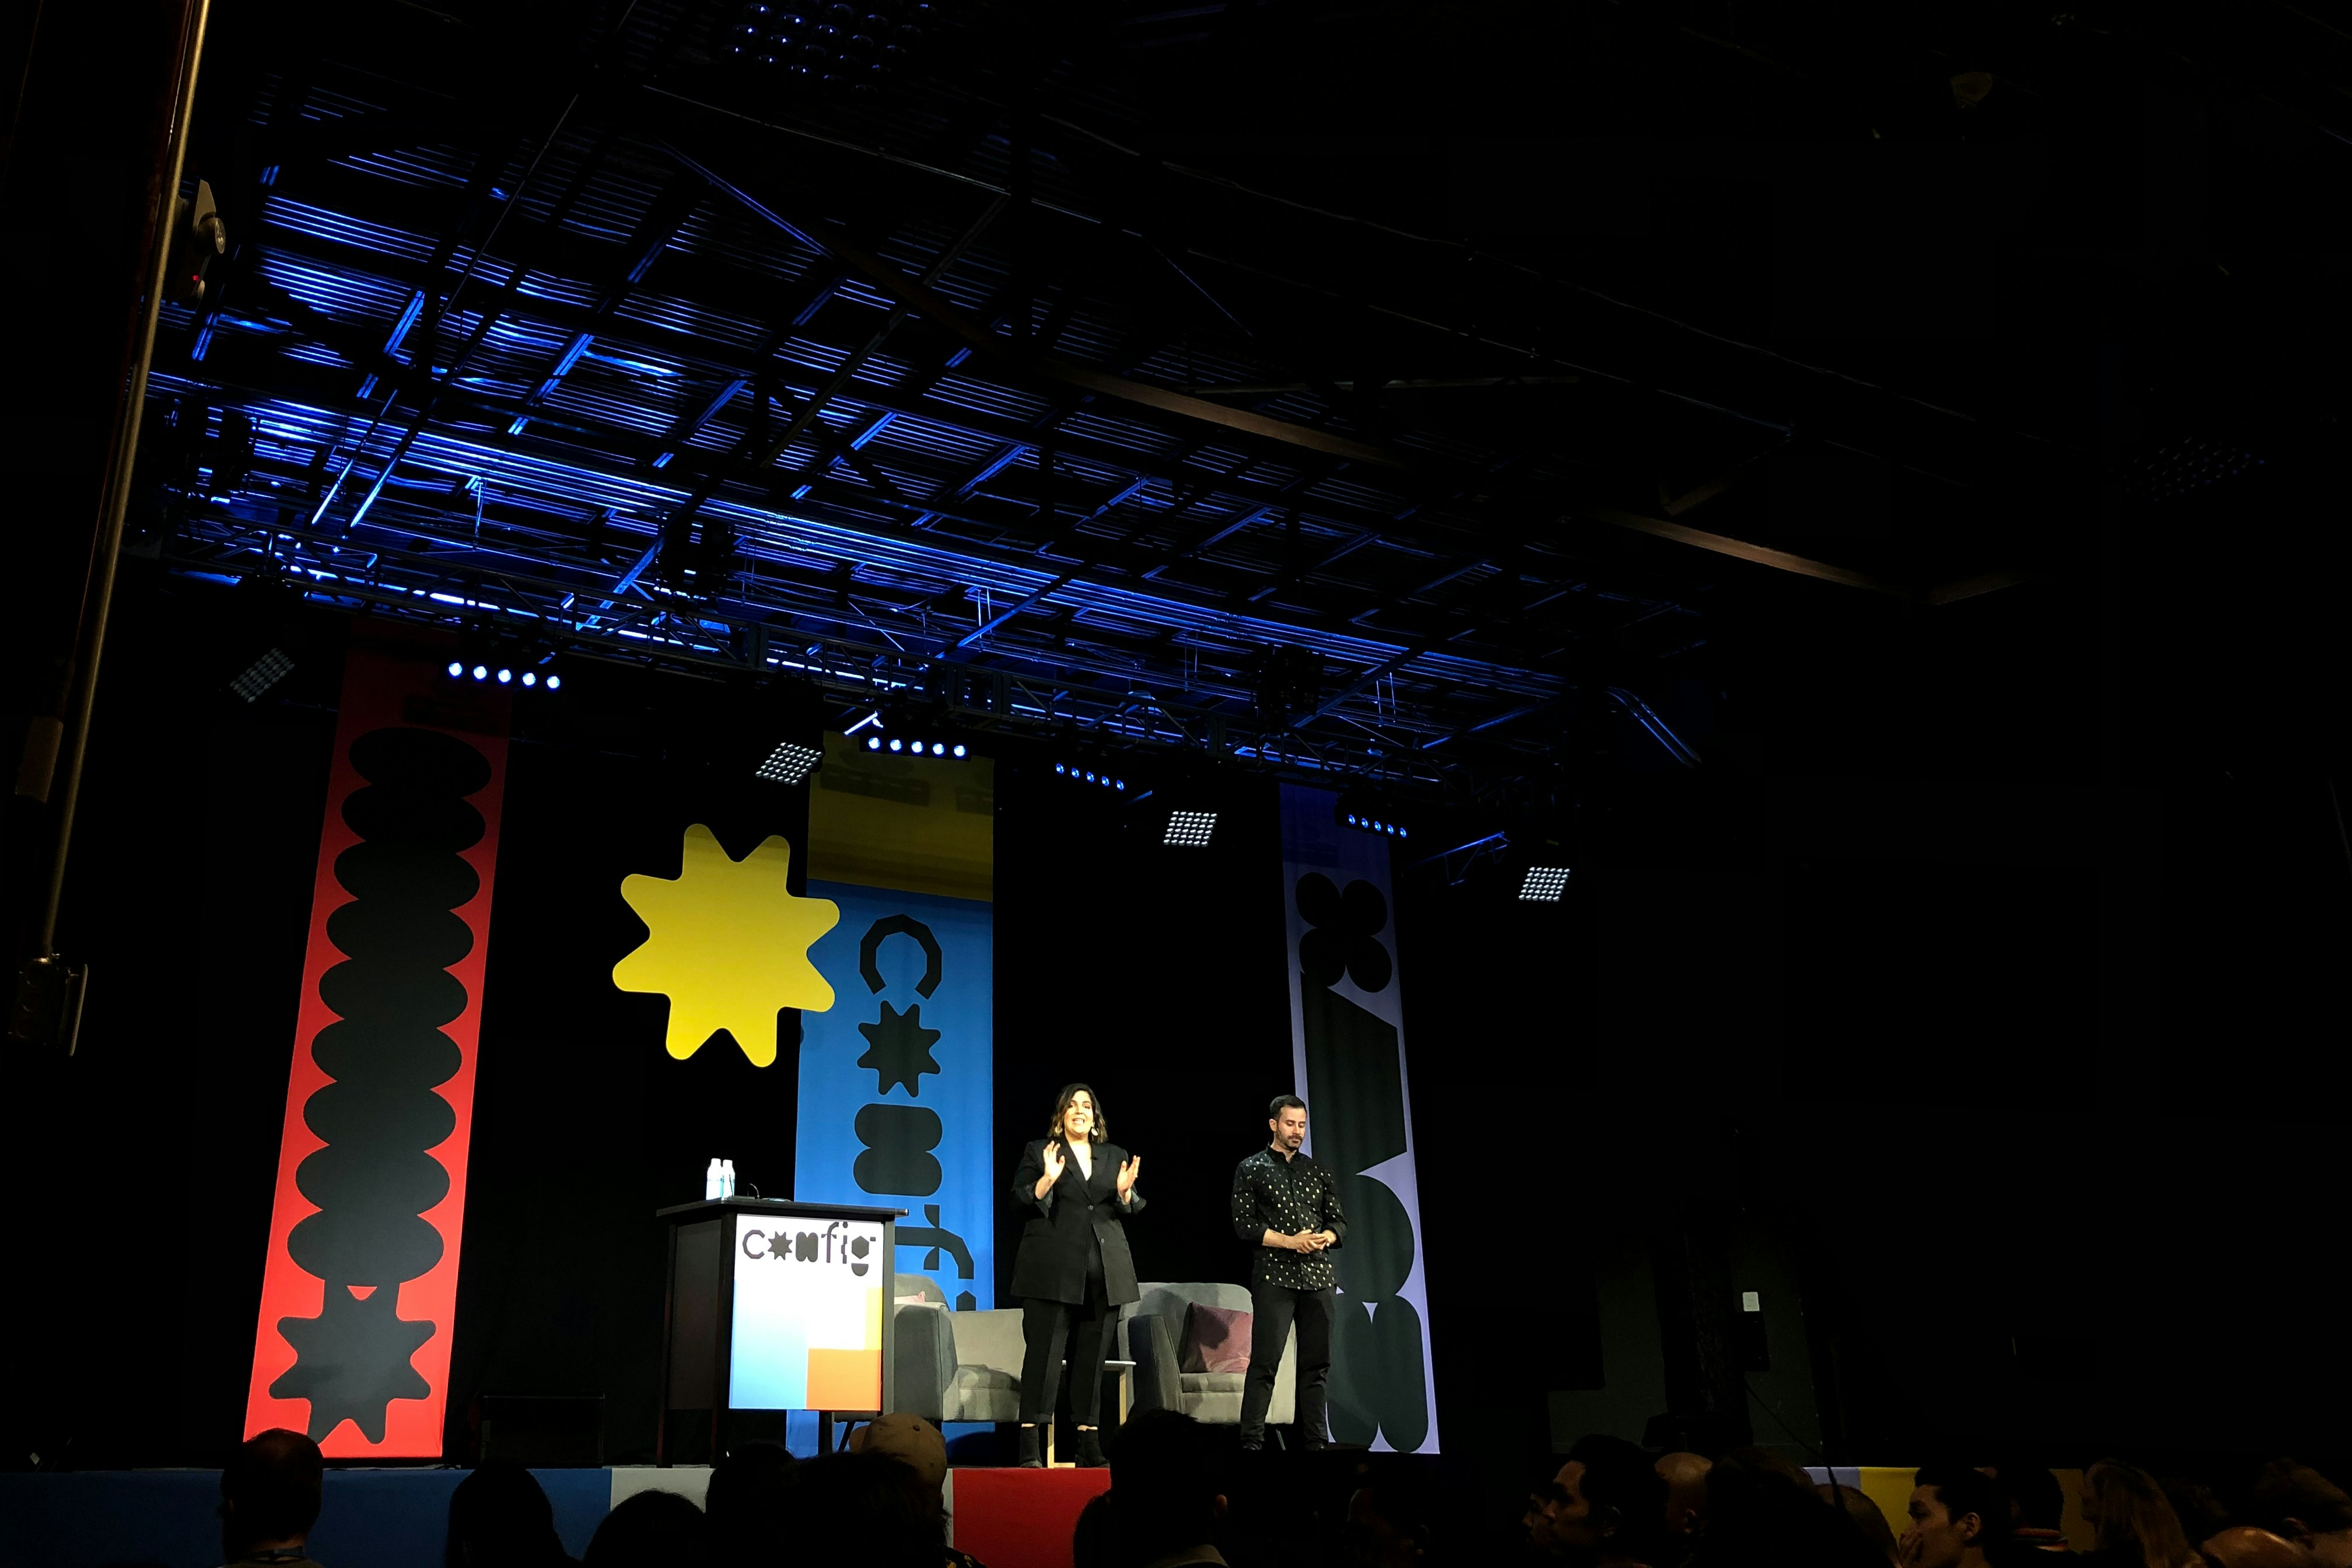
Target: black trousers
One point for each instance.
(1046, 1327)
(1273, 1308)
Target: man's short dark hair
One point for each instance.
(1164, 1484)
(1282, 1102)
(1962, 1490)
(269, 1490)
(2040, 1500)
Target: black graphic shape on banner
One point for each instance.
(898, 1049)
(1377, 1384)
(1378, 1258)
(387, 1052)
(351, 1361)
(1344, 938)
(899, 1141)
(899, 925)
(940, 1241)
(1355, 1087)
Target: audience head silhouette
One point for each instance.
(749, 1490)
(876, 1512)
(1685, 1474)
(2297, 1502)
(1960, 1519)
(651, 1529)
(1607, 1505)
(270, 1494)
(2133, 1524)
(1866, 1516)
(1165, 1484)
(499, 1516)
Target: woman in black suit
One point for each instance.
(1073, 1266)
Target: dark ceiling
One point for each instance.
(1488, 355)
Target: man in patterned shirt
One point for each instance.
(1286, 1208)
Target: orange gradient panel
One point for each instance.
(391, 679)
(845, 1379)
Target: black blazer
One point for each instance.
(1076, 1214)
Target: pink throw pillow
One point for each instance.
(1217, 1339)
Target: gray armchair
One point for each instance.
(1151, 1335)
(954, 1366)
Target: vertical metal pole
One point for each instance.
(106, 552)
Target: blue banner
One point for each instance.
(896, 1101)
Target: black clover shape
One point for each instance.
(899, 1048)
(1343, 941)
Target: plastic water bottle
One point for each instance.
(726, 1178)
(711, 1183)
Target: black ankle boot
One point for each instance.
(1090, 1453)
(1032, 1448)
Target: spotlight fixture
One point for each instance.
(555, 683)
(457, 668)
(1543, 884)
(262, 674)
(790, 764)
(1367, 822)
(481, 672)
(1100, 777)
(1190, 829)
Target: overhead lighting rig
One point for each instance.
(1190, 829)
(1095, 774)
(1543, 884)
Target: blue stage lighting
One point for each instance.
(528, 678)
(958, 750)
(457, 668)
(505, 676)
(1063, 768)
(554, 682)
(873, 742)
(897, 744)
(481, 672)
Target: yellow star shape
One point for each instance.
(728, 945)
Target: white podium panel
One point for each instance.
(809, 1298)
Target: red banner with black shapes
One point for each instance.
(359, 1295)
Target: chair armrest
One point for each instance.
(1152, 1345)
(922, 1361)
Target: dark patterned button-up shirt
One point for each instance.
(1286, 1196)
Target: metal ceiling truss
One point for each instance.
(628, 389)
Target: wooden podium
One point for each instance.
(775, 1305)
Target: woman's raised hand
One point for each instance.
(1127, 1176)
(1056, 1158)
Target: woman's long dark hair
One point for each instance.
(1070, 1091)
(2132, 1521)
